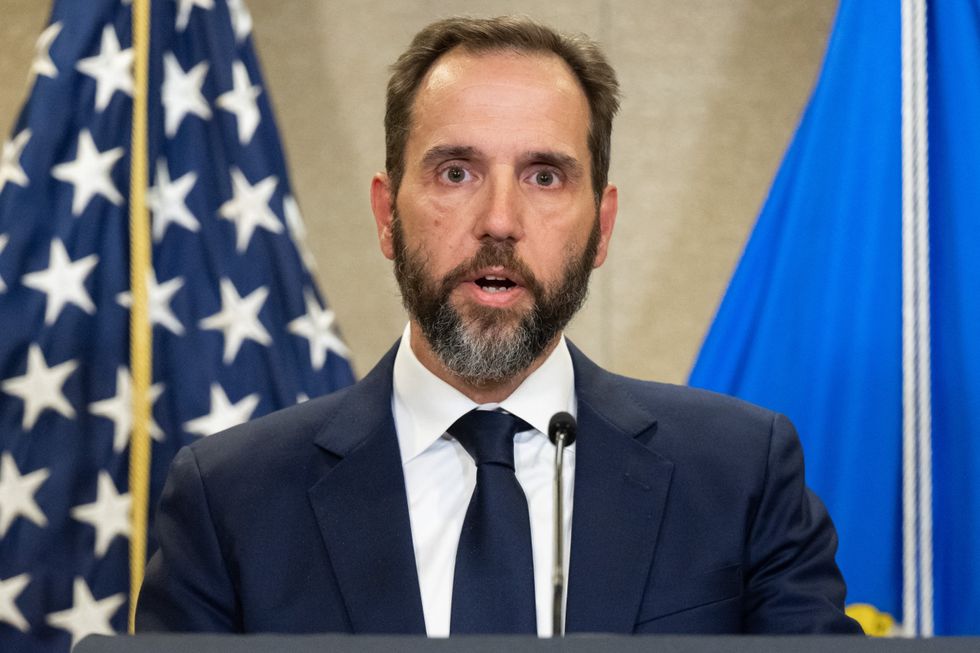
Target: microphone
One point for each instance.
(561, 432)
(562, 425)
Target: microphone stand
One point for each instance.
(561, 432)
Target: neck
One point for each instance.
(482, 393)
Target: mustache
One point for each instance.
(493, 253)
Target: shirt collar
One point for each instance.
(425, 406)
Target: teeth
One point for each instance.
(495, 283)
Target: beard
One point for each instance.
(489, 345)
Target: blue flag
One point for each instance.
(954, 159)
(239, 327)
(812, 322)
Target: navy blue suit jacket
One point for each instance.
(690, 516)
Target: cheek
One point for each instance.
(430, 215)
(420, 225)
(440, 245)
(559, 233)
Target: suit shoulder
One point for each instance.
(273, 440)
(697, 406)
(707, 428)
(622, 399)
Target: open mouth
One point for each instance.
(493, 283)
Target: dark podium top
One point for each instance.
(571, 644)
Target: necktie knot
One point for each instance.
(488, 436)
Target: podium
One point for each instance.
(514, 644)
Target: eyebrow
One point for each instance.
(441, 153)
(572, 166)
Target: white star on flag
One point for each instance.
(240, 100)
(41, 387)
(181, 92)
(160, 296)
(4, 239)
(90, 173)
(241, 20)
(317, 327)
(223, 414)
(10, 168)
(112, 69)
(42, 65)
(297, 229)
(120, 410)
(87, 616)
(10, 589)
(238, 319)
(17, 494)
(168, 201)
(108, 514)
(63, 281)
(249, 208)
(184, 11)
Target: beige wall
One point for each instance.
(713, 91)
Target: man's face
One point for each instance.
(497, 227)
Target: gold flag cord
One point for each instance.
(140, 334)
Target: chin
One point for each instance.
(501, 322)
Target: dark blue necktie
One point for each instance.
(493, 586)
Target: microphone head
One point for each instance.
(562, 423)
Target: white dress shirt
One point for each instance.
(440, 475)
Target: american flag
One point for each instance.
(239, 327)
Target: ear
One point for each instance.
(383, 206)
(608, 206)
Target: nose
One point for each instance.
(501, 214)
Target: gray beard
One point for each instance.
(482, 352)
(493, 344)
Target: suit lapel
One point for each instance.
(362, 510)
(620, 490)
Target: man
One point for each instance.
(353, 512)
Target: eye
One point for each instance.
(546, 178)
(454, 174)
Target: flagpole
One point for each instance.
(141, 337)
(916, 340)
(924, 329)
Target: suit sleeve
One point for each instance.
(794, 584)
(187, 586)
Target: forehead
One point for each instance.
(501, 65)
(464, 87)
